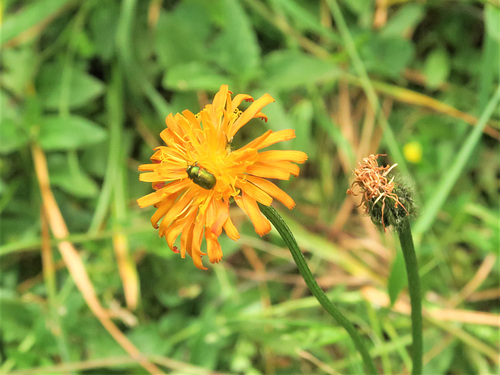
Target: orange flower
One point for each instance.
(197, 173)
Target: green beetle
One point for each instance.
(201, 176)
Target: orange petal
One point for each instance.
(271, 170)
(177, 186)
(238, 99)
(186, 240)
(272, 190)
(163, 207)
(147, 167)
(249, 206)
(277, 167)
(151, 177)
(255, 193)
(191, 119)
(279, 136)
(261, 116)
(250, 113)
(280, 155)
(219, 103)
(222, 214)
(196, 252)
(231, 230)
(150, 199)
(180, 206)
(178, 226)
(214, 250)
(257, 142)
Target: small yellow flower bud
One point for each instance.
(413, 152)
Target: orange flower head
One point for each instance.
(197, 173)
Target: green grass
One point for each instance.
(92, 82)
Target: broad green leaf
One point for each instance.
(492, 21)
(69, 133)
(12, 136)
(200, 353)
(302, 117)
(397, 278)
(71, 178)
(28, 16)
(363, 10)
(404, 20)
(237, 49)
(151, 341)
(387, 56)
(439, 364)
(437, 68)
(103, 24)
(360, 6)
(488, 71)
(305, 18)
(19, 66)
(241, 359)
(78, 90)
(8, 110)
(181, 36)
(92, 157)
(83, 45)
(17, 317)
(194, 76)
(13, 133)
(286, 70)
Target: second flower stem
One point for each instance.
(406, 240)
(313, 286)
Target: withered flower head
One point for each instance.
(376, 187)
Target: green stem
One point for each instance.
(406, 241)
(313, 286)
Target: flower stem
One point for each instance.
(406, 240)
(313, 286)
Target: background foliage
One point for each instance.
(90, 82)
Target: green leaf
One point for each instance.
(83, 45)
(437, 68)
(13, 133)
(237, 48)
(492, 21)
(439, 364)
(286, 70)
(360, 6)
(387, 55)
(305, 18)
(79, 89)
(12, 137)
(9, 109)
(404, 20)
(69, 133)
(92, 158)
(182, 35)
(397, 278)
(19, 67)
(302, 117)
(30, 15)
(17, 317)
(71, 178)
(194, 76)
(103, 24)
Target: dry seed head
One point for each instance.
(375, 188)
